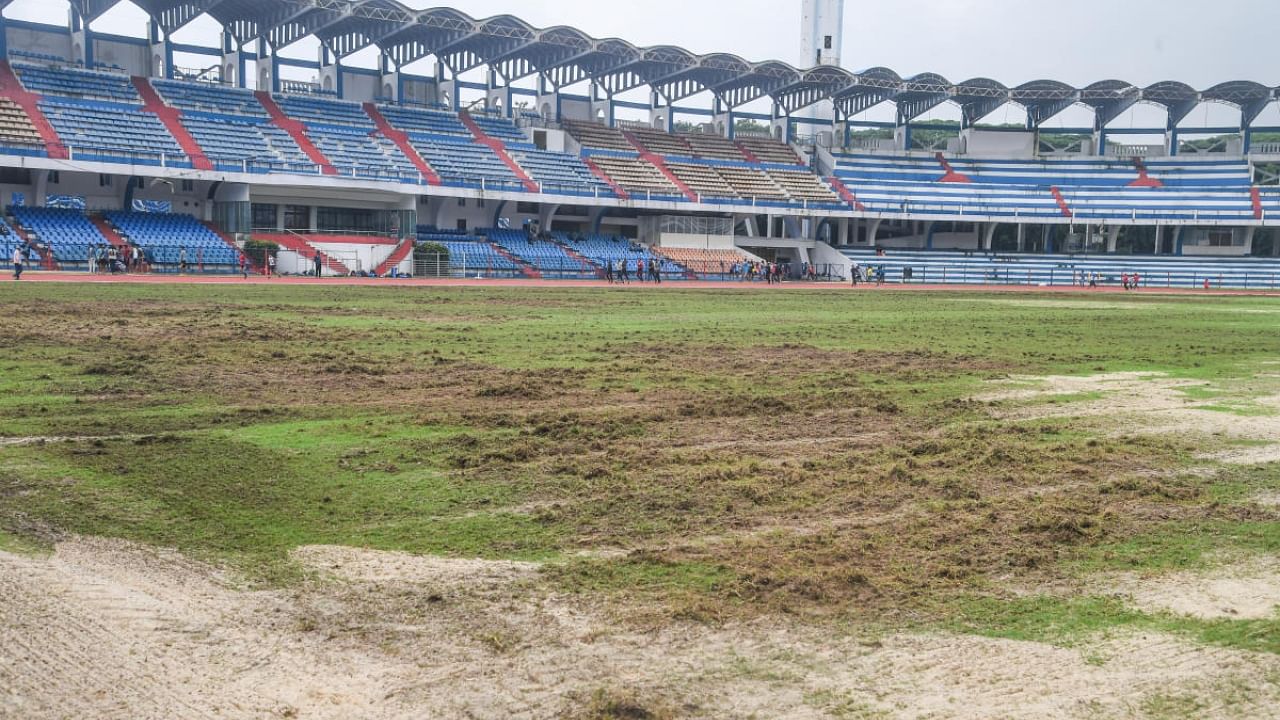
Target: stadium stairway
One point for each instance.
(297, 131)
(213, 228)
(526, 269)
(401, 139)
(11, 88)
(1144, 177)
(1062, 201)
(399, 255)
(170, 116)
(950, 175)
(845, 194)
(500, 149)
(746, 153)
(300, 245)
(660, 162)
(604, 177)
(574, 254)
(109, 232)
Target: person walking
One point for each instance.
(244, 265)
(318, 262)
(19, 259)
(271, 265)
(655, 270)
(182, 261)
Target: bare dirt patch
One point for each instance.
(1248, 590)
(149, 634)
(1150, 403)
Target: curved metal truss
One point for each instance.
(564, 56)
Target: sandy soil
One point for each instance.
(104, 629)
(1144, 403)
(1247, 590)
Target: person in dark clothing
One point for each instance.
(19, 259)
(319, 264)
(655, 270)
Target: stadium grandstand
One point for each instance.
(532, 170)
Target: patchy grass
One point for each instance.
(1074, 620)
(707, 455)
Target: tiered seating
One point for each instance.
(662, 143)
(110, 131)
(424, 122)
(74, 83)
(1098, 188)
(595, 135)
(353, 151)
(459, 161)
(238, 142)
(500, 128)
(470, 254)
(547, 257)
(560, 173)
(771, 151)
(345, 134)
(209, 98)
(804, 186)
(635, 175)
(752, 183)
(15, 126)
(605, 249)
(715, 147)
(701, 261)
(9, 240)
(163, 237)
(950, 267)
(702, 179)
(67, 232)
(323, 111)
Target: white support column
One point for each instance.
(988, 236)
(1022, 237)
(1113, 237)
(1249, 234)
(266, 68)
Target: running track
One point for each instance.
(83, 278)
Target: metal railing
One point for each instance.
(969, 274)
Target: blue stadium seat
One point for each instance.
(164, 236)
(68, 233)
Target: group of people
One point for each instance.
(868, 274)
(754, 270)
(104, 258)
(1131, 281)
(620, 271)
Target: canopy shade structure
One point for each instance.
(563, 56)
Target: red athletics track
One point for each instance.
(84, 278)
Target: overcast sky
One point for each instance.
(1013, 41)
(1077, 41)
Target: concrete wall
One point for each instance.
(40, 41)
(135, 59)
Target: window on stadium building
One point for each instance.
(264, 216)
(349, 220)
(297, 217)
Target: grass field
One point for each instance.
(877, 462)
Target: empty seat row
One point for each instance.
(77, 83)
(110, 129)
(210, 98)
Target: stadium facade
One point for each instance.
(732, 154)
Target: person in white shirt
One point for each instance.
(18, 260)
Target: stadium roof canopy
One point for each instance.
(565, 56)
